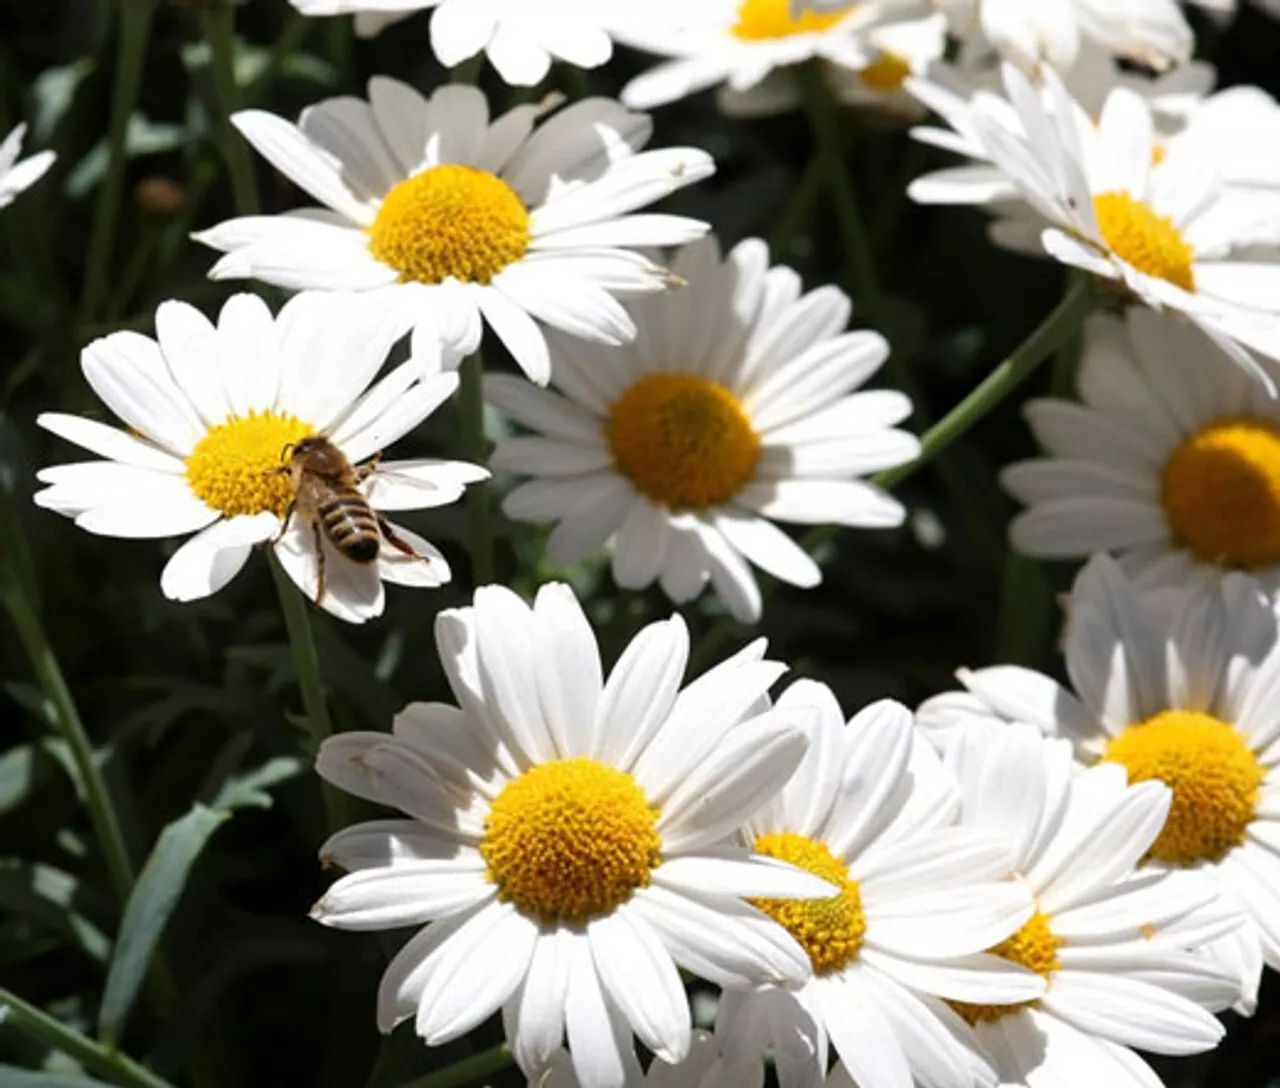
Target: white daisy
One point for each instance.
(431, 206)
(1100, 198)
(16, 176)
(1117, 948)
(520, 37)
(1171, 461)
(1183, 687)
(739, 43)
(872, 810)
(732, 408)
(890, 53)
(214, 415)
(705, 1067)
(568, 846)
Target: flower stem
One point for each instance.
(1050, 335)
(306, 663)
(475, 448)
(219, 25)
(15, 588)
(95, 1057)
(133, 32)
(467, 1071)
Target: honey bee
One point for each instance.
(327, 495)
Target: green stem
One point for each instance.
(306, 663)
(824, 118)
(219, 25)
(795, 217)
(134, 30)
(1051, 334)
(475, 448)
(44, 662)
(99, 1059)
(467, 1071)
(286, 44)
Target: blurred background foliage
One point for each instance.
(193, 704)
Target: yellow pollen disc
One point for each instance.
(829, 930)
(1034, 946)
(1147, 240)
(450, 221)
(570, 840)
(232, 466)
(887, 74)
(1214, 776)
(761, 20)
(1221, 494)
(682, 440)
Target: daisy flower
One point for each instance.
(874, 80)
(1179, 687)
(872, 811)
(1159, 227)
(1171, 461)
(213, 415)
(15, 176)
(520, 37)
(732, 408)
(430, 206)
(568, 837)
(739, 43)
(1116, 947)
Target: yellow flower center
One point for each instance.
(829, 930)
(761, 20)
(1145, 239)
(570, 840)
(886, 74)
(1035, 947)
(1214, 776)
(1221, 494)
(450, 221)
(232, 466)
(683, 441)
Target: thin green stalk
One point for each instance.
(219, 25)
(1050, 335)
(286, 44)
(467, 1071)
(475, 448)
(98, 1059)
(306, 663)
(799, 210)
(15, 588)
(131, 51)
(831, 140)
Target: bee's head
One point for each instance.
(301, 448)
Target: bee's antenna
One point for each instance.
(284, 453)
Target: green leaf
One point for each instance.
(13, 1077)
(163, 878)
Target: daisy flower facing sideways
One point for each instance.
(738, 43)
(1182, 688)
(569, 841)
(1117, 948)
(1157, 226)
(872, 810)
(705, 1067)
(520, 37)
(430, 206)
(1171, 461)
(213, 414)
(732, 408)
(16, 176)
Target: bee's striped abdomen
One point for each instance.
(351, 526)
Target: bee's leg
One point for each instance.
(389, 535)
(363, 472)
(319, 544)
(284, 525)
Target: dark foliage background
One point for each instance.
(178, 697)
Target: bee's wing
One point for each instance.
(387, 489)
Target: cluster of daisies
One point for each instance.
(1021, 883)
